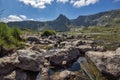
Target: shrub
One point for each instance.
(4, 31)
(9, 37)
(15, 33)
(48, 33)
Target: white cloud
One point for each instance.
(62, 1)
(81, 3)
(42, 3)
(37, 3)
(23, 17)
(12, 18)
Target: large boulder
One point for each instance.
(29, 60)
(64, 57)
(6, 64)
(107, 62)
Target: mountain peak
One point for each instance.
(63, 19)
(61, 16)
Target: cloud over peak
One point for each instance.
(42, 3)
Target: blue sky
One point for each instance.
(44, 10)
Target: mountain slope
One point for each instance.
(62, 23)
(100, 19)
(59, 24)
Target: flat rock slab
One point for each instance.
(107, 62)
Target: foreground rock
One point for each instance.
(43, 75)
(65, 57)
(107, 62)
(4, 51)
(21, 75)
(66, 75)
(33, 39)
(29, 60)
(6, 64)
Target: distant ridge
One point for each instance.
(62, 23)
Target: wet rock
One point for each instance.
(29, 60)
(68, 56)
(107, 62)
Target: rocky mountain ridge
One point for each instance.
(62, 23)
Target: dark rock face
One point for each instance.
(65, 57)
(33, 39)
(4, 51)
(107, 62)
(10, 76)
(29, 60)
(6, 65)
(21, 75)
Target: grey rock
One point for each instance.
(44, 75)
(29, 60)
(32, 39)
(6, 64)
(107, 62)
(68, 55)
(66, 75)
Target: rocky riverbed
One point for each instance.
(60, 58)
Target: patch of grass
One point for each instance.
(45, 47)
(9, 37)
(110, 35)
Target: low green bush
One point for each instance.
(48, 33)
(9, 37)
